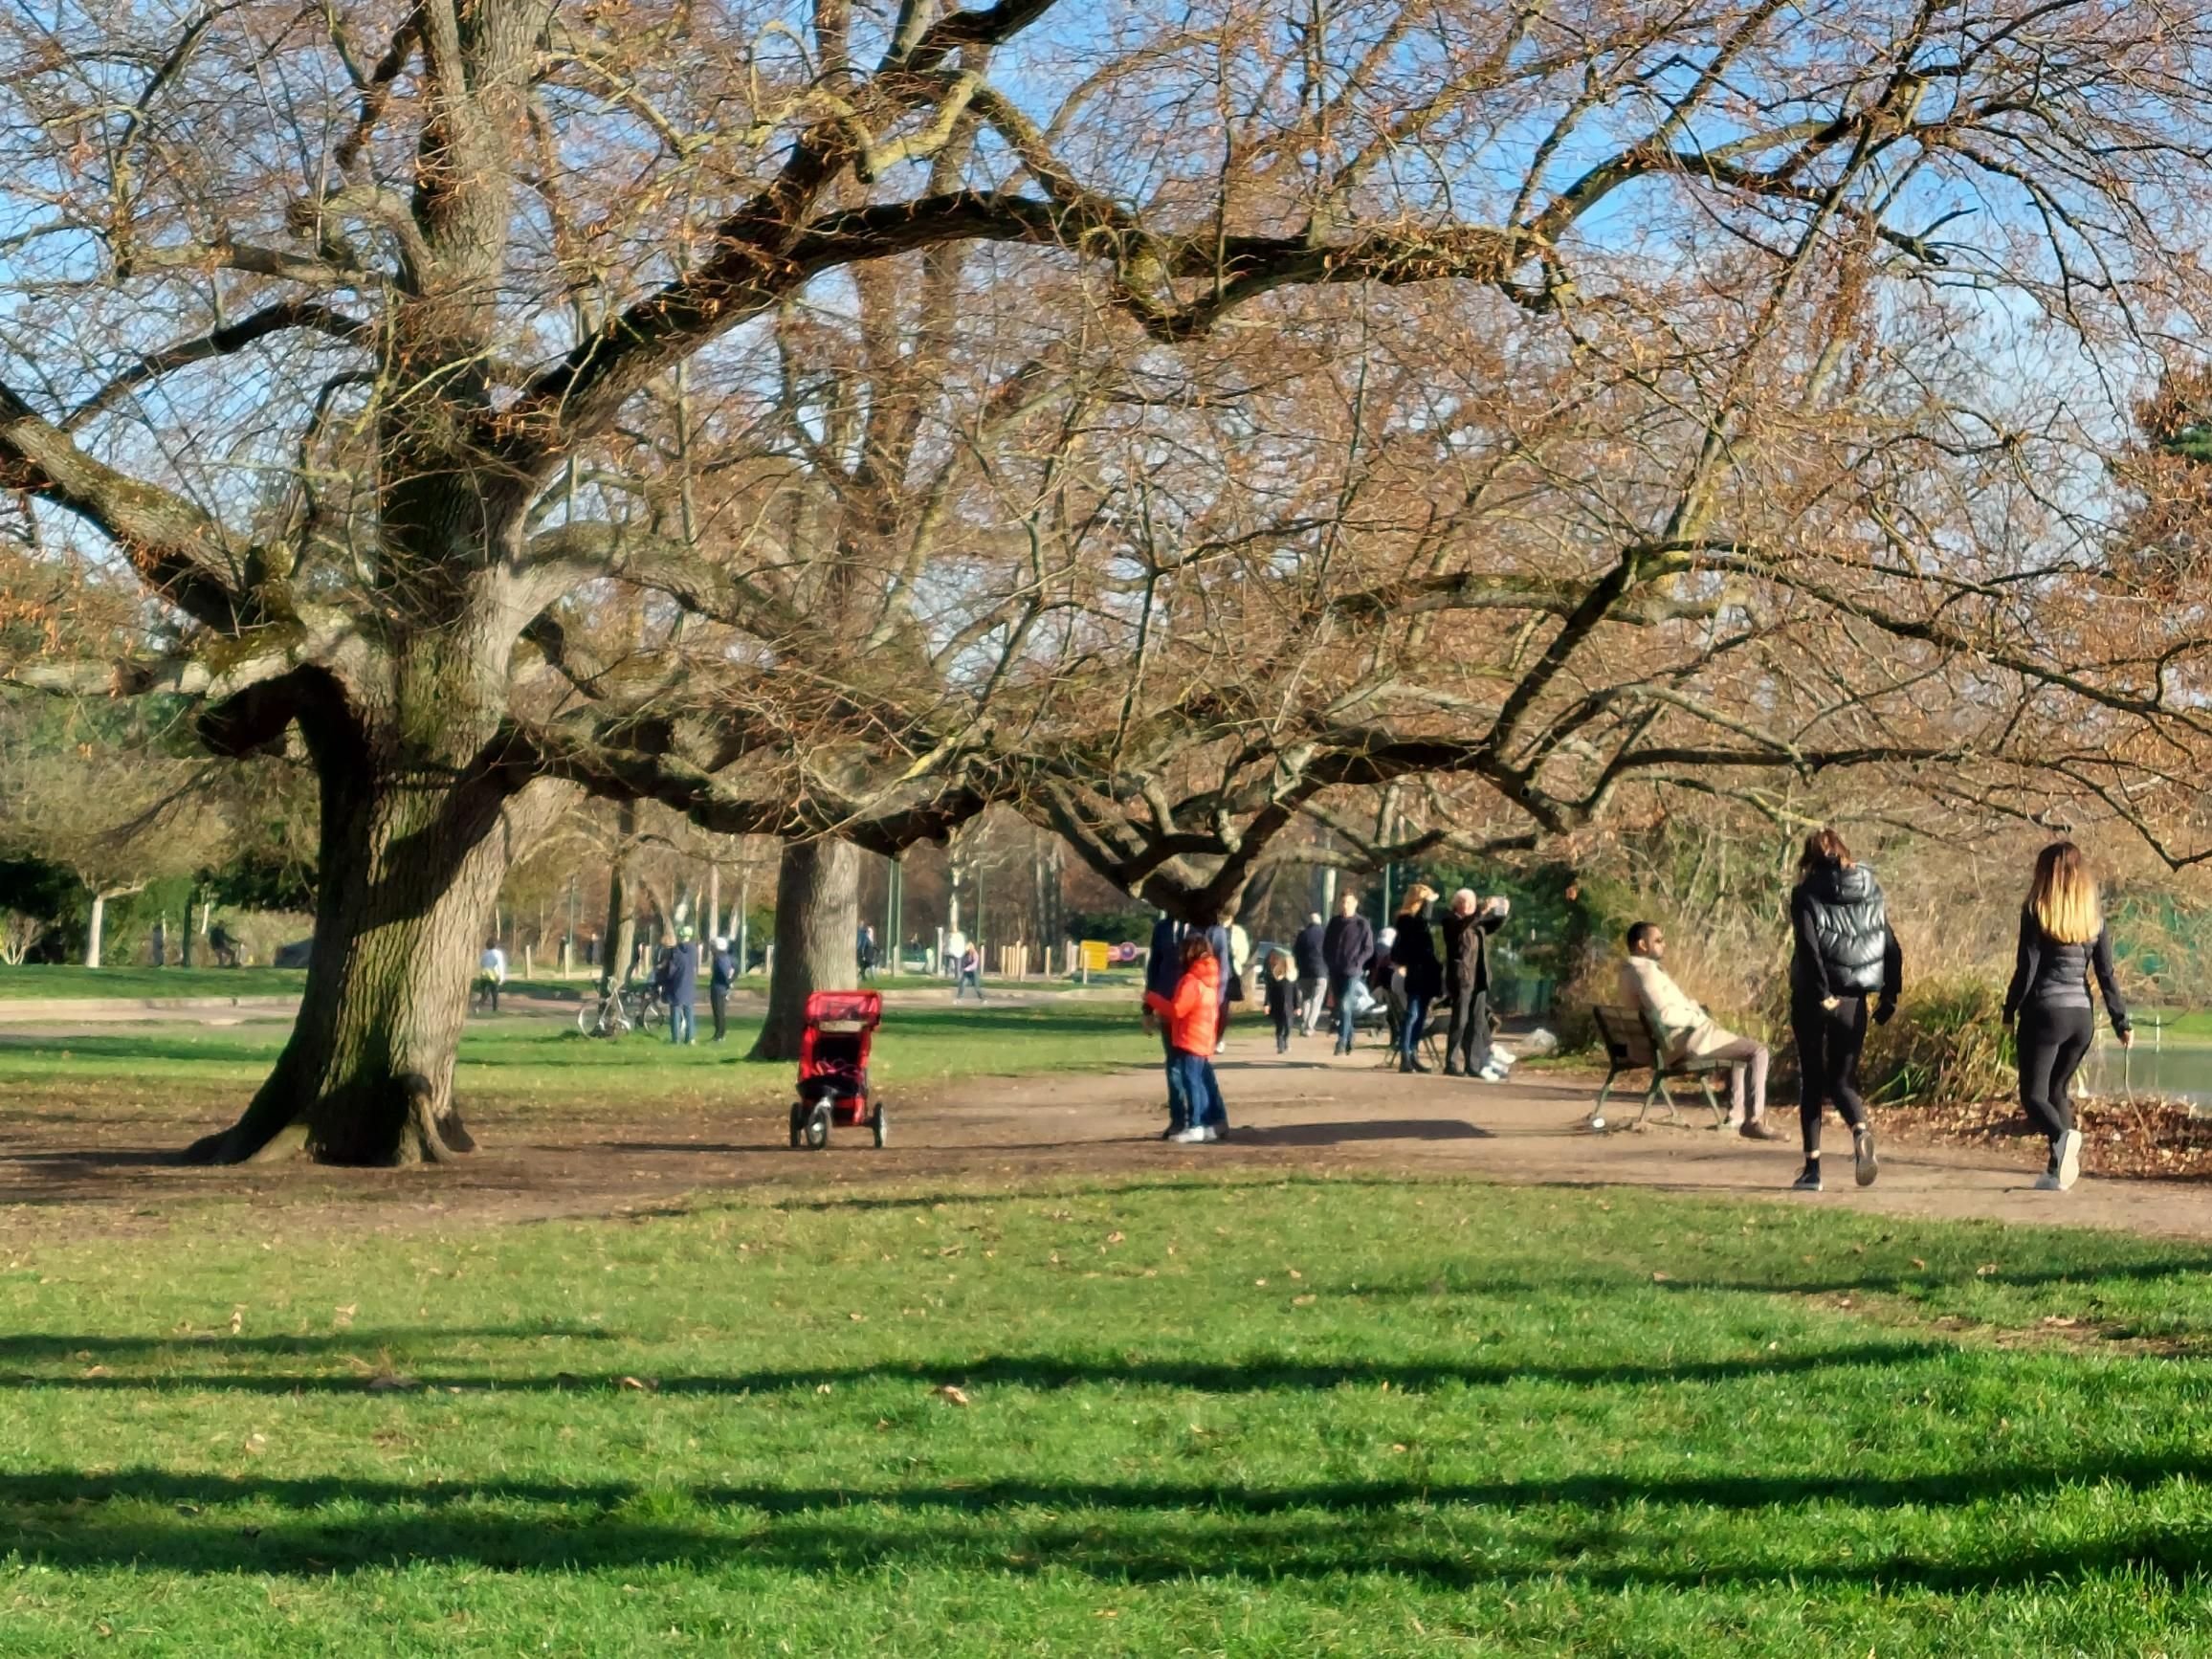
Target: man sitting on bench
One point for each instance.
(1689, 1033)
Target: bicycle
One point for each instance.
(621, 1010)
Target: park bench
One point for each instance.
(1632, 1042)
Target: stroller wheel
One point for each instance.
(882, 1130)
(798, 1122)
(817, 1132)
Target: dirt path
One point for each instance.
(63, 1173)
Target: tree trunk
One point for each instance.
(95, 928)
(817, 920)
(410, 875)
(620, 932)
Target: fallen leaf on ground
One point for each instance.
(1661, 1278)
(952, 1394)
(643, 1384)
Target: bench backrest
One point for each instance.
(1625, 1034)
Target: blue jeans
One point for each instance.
(1410, 1028)
(682, 1021)
(1340, 986)
(1202, 1090)
(1178, 1104)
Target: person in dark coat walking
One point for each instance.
(1414, 950)
(2062, 943)
(679, 985)
(1282, 992)
(1346, 945)
(1162, 973)
(1308, 957)
(722, 975)
(1467, 930)
(1842, 952)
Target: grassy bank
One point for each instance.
(51, 980)
(54, 980)
(521, 1061)
(1289, 1418)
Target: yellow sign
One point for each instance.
(1098, 956)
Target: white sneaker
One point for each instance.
(1502, 1060)
(1188, 1137)
(1212, 1133)
(1493, 1073)
(2069, 1159)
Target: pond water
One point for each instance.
(2176, 1071)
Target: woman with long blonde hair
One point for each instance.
(2062, 943)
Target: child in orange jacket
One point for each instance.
(1193, 1016)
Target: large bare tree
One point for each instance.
(1251, 406)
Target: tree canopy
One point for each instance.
(1174, 424)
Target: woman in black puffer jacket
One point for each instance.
(2062, 943)
(1843, 953)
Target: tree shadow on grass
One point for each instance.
(1457, 1535)
(224, 1049)
(1253, 1374)
(31, 1347)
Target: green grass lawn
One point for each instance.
(54, 980)
(51, 980)
(524, 1061)
(1353, 1417)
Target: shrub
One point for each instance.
(1944, 1048)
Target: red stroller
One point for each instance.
(834, 1067)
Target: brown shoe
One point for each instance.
(1760, 1128)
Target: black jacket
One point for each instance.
(1415, 951)
(2048, 973)
(1466, 950)
(1843, 944)
(1282, 996)
(1348, 944)
(1308, 952)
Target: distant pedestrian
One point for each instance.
(2062, 943)
(1308, 957)
(969, 974)
(1192, 1015)
(1223, 938)
(1282, 987)
(680, 987)
(1414, 949)
(491, 973)
(1842, 952)
(1467, 929)
(722, 975)
(864, 952)
(1345, 949)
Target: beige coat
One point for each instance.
(1691, 1030)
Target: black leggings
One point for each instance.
(1829, 1042)
(2053, 1043)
